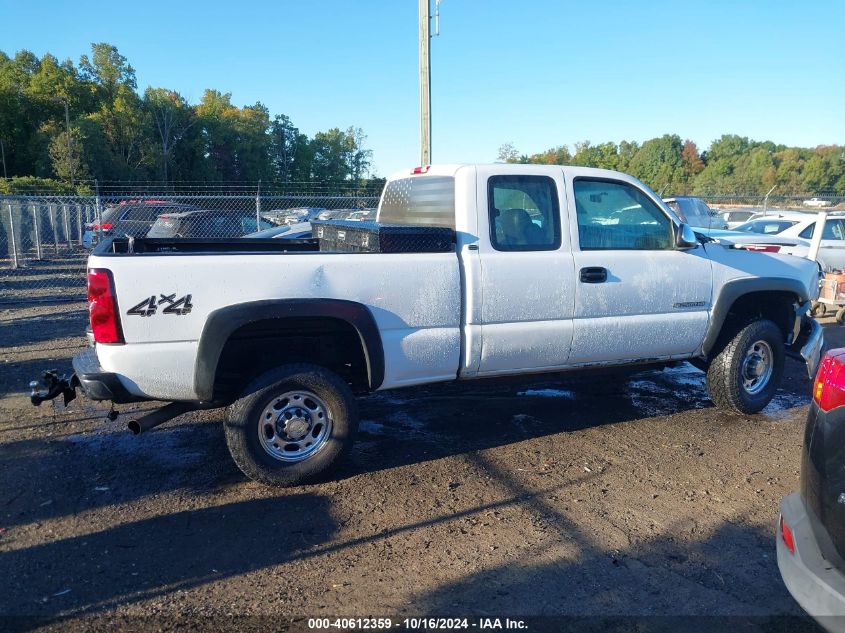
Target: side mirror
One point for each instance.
(685, 237)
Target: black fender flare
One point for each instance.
(221, 323)
(736, 288)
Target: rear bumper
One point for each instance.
(97, 383)
(813, 581)
(811, 350)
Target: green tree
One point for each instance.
(658, 163)
(172, 118)
(339, 155)
(66, 157)
(507, 153)
(285, 138)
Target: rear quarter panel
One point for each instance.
(415, 300)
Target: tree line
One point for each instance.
(78, 122)
(731, 165)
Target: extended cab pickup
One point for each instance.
(551, 269)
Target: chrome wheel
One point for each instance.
(757, 367)
(294, 426)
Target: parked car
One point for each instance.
(695, 212)
(329, 214)
(130, 218)
(811, 527)
(347, 214)
(490, 273)
(208, 223)
(816, 202)
(303, 214)
(287, 232)
(761, 242)
(768, 226)
(362, 215)
(832, 248)
(735, 217)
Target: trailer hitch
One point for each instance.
(54, 386)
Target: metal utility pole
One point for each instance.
(425, 83)
(3, 154)
(67, 127)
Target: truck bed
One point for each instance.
(217, 246)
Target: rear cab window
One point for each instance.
(419, 200)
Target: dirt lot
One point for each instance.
(488, 499)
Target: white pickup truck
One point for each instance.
(549, 269)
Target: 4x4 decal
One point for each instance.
(150, 305)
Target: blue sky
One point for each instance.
(535, 73)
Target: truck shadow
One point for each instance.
(436, 421)
(718, 578)
(725, 578)
(144, 559)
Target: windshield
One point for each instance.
(684, 208)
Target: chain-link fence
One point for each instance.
(45, 239)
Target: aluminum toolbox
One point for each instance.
(374, 237)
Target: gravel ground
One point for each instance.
(487, 499)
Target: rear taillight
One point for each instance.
(829, 385)
(102, 307)
(786, 535)
(762, 248)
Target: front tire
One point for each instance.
(745, 374)
(292, 425)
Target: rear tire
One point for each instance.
(292, 425)
(745, 374)
(840, 316)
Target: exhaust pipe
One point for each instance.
(159, 416)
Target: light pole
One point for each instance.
(67, 127)
(766, 199)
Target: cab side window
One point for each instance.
(524, 213)
(614, 215)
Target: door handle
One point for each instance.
(593, 275)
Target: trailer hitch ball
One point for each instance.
(55, 386)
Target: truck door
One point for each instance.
(637, 297)
(527, 282)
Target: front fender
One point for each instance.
(736, 288)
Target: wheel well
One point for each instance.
(777, 306)
(259, 346)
